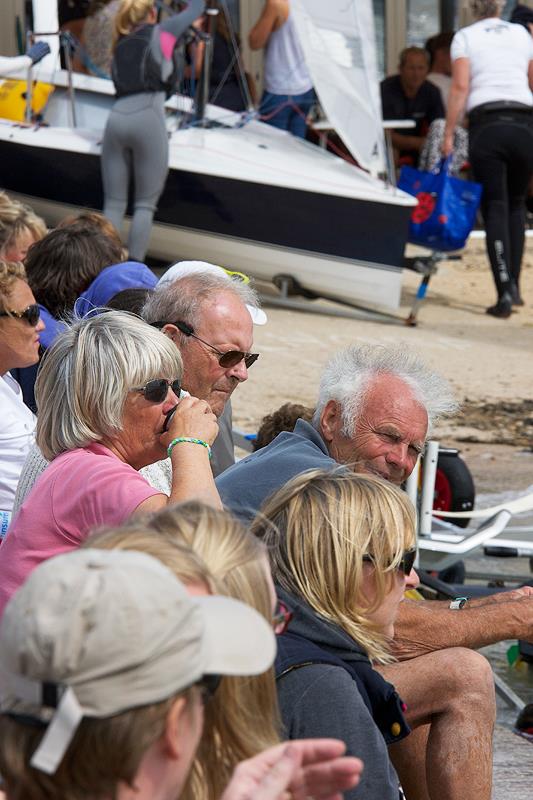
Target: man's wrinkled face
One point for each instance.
(225, 323)
(389, 434)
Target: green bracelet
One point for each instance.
(189, 439)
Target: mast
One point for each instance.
(202, 93)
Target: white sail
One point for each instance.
(338, 40)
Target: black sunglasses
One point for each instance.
(156, 391)
(31, 314)
(406, 564)
(208, 685)
(226, 360)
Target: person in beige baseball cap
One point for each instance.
(105, 664)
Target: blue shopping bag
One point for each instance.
(446, 209)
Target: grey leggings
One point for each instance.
(135, 143)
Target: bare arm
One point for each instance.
(530, 74)
(273, 16)
(456, 100)
(407, 142)
(423, 627)
(191, 471)
(178, 23)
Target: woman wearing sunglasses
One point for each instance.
(341, 548)
(104, 392)
(20, 327)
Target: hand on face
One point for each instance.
(192, 418)
(305, 768)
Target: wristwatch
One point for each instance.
(458, 603)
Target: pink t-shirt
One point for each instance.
(77, 492)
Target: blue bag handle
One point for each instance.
(445, 164)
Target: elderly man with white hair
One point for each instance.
(208, 313)
(375, 407)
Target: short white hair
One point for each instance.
(486, 8)
(349, 374)
(85, 377)
(182, 299)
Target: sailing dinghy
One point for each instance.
(246, 196)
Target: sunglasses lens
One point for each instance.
(156, 391)
(32, 314)
(408, 561)
(230, 359)
(176, 388)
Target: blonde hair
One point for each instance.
(317, 530)
(130, 14)
(15, 218)
(10, 271)
(85, 377)
(103, 753)
(203, 545)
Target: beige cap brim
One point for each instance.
(237, 640)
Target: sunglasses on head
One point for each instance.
(31, 314)
(406, 563)
(226, 360)
(156, 391)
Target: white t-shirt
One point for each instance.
(285, 68)
(442, 82)
(499, 54)
(17, 433)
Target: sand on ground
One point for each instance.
(488, 361)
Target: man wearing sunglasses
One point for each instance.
(20, 327)
(209, 316)
(375, 407)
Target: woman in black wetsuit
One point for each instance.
(144, 72)
(492, 74)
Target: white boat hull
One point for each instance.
(252, 198)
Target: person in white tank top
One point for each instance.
(492, 77)
(288, 94)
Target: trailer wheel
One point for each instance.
(454, 486)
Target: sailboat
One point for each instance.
(240, 193)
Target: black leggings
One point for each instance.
(501, 156)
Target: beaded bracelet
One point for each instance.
(189, 439)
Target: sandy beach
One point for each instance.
(488, 361)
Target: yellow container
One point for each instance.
(13, 98)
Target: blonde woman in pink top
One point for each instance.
(103, 393)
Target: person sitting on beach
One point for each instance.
(104, 392)
(209, 318)
(20, 330)
(375, 407)
(409, 95)
(283, 419)
(20, 227)
(342, 548)
(97, 714)
(211, 552)
(440, 63)
(62, 265)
